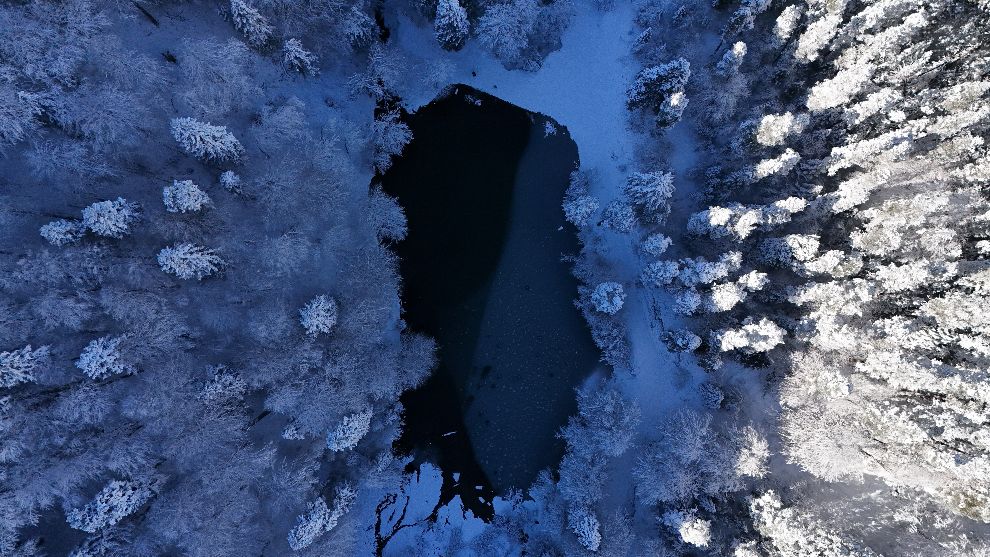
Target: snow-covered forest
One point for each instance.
(783, 209)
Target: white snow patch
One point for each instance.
(581, 86)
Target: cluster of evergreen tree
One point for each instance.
(839, 252)
(200, 350)
(832, 264)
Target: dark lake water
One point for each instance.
(481, 184)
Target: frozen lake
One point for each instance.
(481, 184)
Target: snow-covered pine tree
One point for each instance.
(608, 297)
(206, 141)
(249, 21)
(690, 529)
(188, 261)
(579, 205)
(319, 518)
(451, 24)
(357, 26)
(319, 315)
(18, 366)
(183, 196)
(298, 59)
(583, 522)
(731, 60)
(115, 501)
(62, 232)
(752, 336)
(230, 181)
(790, 533)
(110, 218)
(102, 358)
(312, 524)
(650, 192)
(351, 429)
(656, 84)
(505, 28)
(774, 129)
(390, 136)
(387, 216)
(689, 459)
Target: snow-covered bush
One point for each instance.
(102, 358)
(230, 181)
(346, 434)
(184, 196)
(451, 24)
(608, 297)
(110, 218)
(18, 366)
(319, 315)
(206, 141)
(115, 501)
(188, 261)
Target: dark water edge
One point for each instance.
(481, 184)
